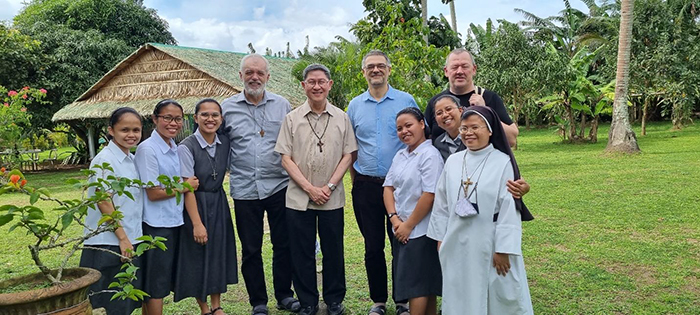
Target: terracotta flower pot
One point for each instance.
(68, 298)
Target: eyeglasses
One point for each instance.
(169, 119)
(447, 110)
(213, 115)
(379, 66)
(472, 129)
(314, 82)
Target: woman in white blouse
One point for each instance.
(409, 190)
(162, 214)
(124, 133)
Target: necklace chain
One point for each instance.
(212, 163)
(468, 182)
(262, 131)
(320, 143)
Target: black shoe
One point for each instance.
(260, 310)
(309, 310)
(289, 304)
(336, 308)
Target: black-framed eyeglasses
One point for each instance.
(169, 119)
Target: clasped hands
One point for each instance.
(319, 195)
(402, 230)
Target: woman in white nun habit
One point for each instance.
(477, 225)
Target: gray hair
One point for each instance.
(254, 55)
(458, 51)
(454, 99)
(314, 67)
(376, 52)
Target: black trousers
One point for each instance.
(370, 213)
(249, 222)
(302, 228)
(110, 265)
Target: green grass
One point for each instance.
(613, 234)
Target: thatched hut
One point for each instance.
(157, 71)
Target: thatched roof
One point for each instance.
(186, 74)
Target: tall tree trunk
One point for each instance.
(593, 134)
(453, 15)
(571, 130)
(516, 107)
(621, 137)
(527, 121)
(424, 16)
(583, 126)
(645, 115)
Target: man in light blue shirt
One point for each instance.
(373, 117)
(259, 183)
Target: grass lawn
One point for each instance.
(612, 235)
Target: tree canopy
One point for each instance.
(79, 41)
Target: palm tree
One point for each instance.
(453, 14)
(572, 29)
(621, 137)
(424, 16)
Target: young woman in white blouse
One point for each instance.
(409, 190)
(124, 133)
(162, 214)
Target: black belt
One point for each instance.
(371, 179)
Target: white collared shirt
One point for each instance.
(452, 144)
(412, 174)
(154, 157)
(186, 158)
(132, 210)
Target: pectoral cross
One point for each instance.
(466, 185)
(262, 132)
(213, 174)
(320, 145)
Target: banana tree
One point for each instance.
(575, 96)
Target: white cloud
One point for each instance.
(258, 13)
(202, 33)
(266, 29)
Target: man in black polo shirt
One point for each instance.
(460, 70)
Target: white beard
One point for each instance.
(255, 92)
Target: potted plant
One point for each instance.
(60, 287)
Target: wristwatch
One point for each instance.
(392, 214)
(331, 186)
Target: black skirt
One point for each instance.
(416, 268)
(159, 265)
(202, 270)
(109, 265)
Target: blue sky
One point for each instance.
(231, 25)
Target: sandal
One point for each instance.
(402, 310)
(214, 310)
(378, 309)
(289, 304)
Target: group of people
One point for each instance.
(415, 176)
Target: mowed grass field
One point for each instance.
(613, 234)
